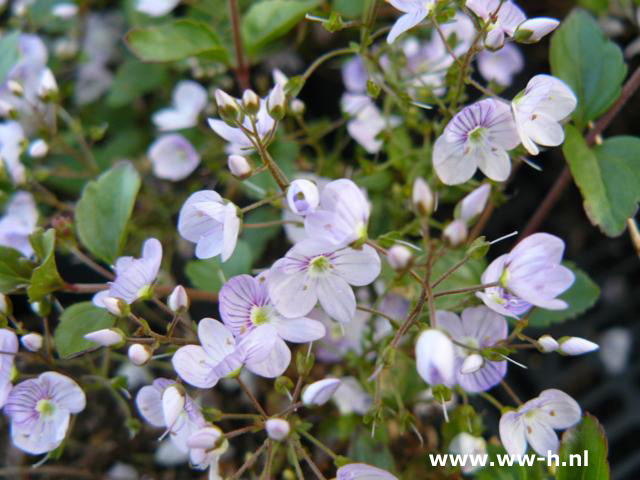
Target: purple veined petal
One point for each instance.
(236, 299)
(66, 393)
(44, 435)
(558, 409)
(173, 157)
(216, 339)
(232, 135)
(451, 323)
(276, 362)
(230, 231)
(541, 288)
(362, 471)
(495, 269)
(257, 345)
(299, 330)
(485, 325)
(347, 199)
(406, 22)
(474, 204)
(536, 249)
(540, 435)
(336, 298)
(509, 17)
(494, 163)
(190, 96)
(357, 267)
(149, 403)
(502, 65)
(5, 390)
(512, 433)
(483, 379)
(450, 163)
(195, 367)
(292, 294)
(192, 223)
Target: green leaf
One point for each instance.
(349, 8)
(15, 270)
(211, 274)
(45, 277)
(104, 209)
(134, 79)
(9, 46)
(582, 295)
(574, 46)
(75, 322)
(467, 275)
(587, 436)
(175, 41)
(269, 20)
(608, 177)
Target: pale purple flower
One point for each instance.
(478, 328)
(189, 419)
(367, 125)
(535, 422)
(173, 157)
(415, 11)
(508, 19)
(211, 223)
(355, 75)
(435, 358)
(295, 231)
(134, 276)
(530, 275)
(303, 197)
(39, 410)
(31, 341)
(320, 392)
(8, 347)
(539, 111)
(277, 428)
(340, 338)
(350, 397)
(502, 65)
(315, 270)
(156, 8)
(474, 203)
(342, 216)
(189, 99)
(477, 137)
(362, 471)
(12, 140)
(203, 452)
(238, 141)
(19, 222)
(245, 306)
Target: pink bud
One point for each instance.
(456, 233)
(32, 341)
(239, 166)
(277, 428)
(139, 354)
(399, 257)
(319, 393)
(106, 337)
(178, 300)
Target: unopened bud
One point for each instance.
(32, 341)
(472, 364)
(116, 306)
(205, 438)
(303, 197)
(435, 358)
(277, 428)
(7, 110)
(319, 393)
(576, 346)
(548, 344)
(533, 29)
(276, 102)
(48, 87)
(64, 10)
(227, 107)
(173, 400)
(15, 88)
(139, 354)
(239, 166)
(178, 300)
(399, 257)
(106, 337)
(423, 199)
(298, 107)
(38, 148)
(456, 233)
(251, 102)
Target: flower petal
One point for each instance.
(512, 434)
(293, 295)
(337, 298)
(299, 330)
(357, 267)
(276, 362)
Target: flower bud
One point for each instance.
(533, 29)
(435, 358)
(298, 107)
(251, 102)
(205, 438)
(173, 400)
(239, 166)
(319, 393)
(7, 110)
(15, 88)
(139, 354)
(456, 233)
(227, 107)
(65, 48)
(64, 10)
(116, 306)
(32, 341)
(178, 300)
(422, 197)
(548, 344)
(576, 346)
(6, 308)
(399, 257)
(38, 148)
(106, 337)
(276, 102)
(48, 87)
(277, 428)
(41, 308)
(303, 197)
(472, 364)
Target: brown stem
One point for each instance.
(311, 463)
(160, 290)
(242, 69)
(251, 397)
(250, 461)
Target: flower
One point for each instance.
(423, 199)
(303, 196)
(245, 306)
(477, 137)
(151, 406)
(342, 216)
(340, 338)
(399, 257)
(501, 66)
(362, 471)
(355, 75)
(8, 344)
(478, 328)
(350, 397)
(134, 276)
(188, 100)
(535, 422)
(211, 223)
(318, 393)
(220, 354)
(277, 428)
(367, 122)
(39, 410)
(173, 157)
(178, 300)
(435, 358)
(205, 450)
(32, 342)
(507, 20)
(530, 275)
(415, 11)
(539, 109)
(532, 30)
(315, 270)
(466, 444)
(156, 8)
(12, 140)
(576, 346)
(106, 337)
(19, 222)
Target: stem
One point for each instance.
(466, 290)
(510, 392)
(310, 462)
(270, 224)
(318, 444)
(373, 311)
(193, 294)
(250, 461)
(253, 399)
(489, 398)
(296, 463)
(242, 69)
(452, 270)
(320, 60)
(241, 431)
(260, 203)
(91, 264)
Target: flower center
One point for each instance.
(319, 265)
(477, 135)
(260, 315)
(504, 278)
(45, 407)
(470, 342)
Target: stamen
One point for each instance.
(512, 234)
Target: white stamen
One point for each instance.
(512, 234)
(513, 361)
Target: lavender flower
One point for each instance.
(362, 471)
(189, 99)
(12, 140)
(415, 11)
(435, 358)
(507, 20)
(8, 347)
(19, 222)
(501, 66)
(173, 157)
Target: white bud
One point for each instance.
(239, 166)
(116, 306)
(251, 102)
(64, 10)
(277, 428)
(303, 197)
(319, 393)
(32, 341)
(48, 86)
(106, 337)
(472, 364)
(576, 346)
(548, 344)
(435, 358)
(6, 109)
(205, 438)
(15, 88)
(533, 29)
(227, 106)
(456, 233)
(297, 106)
(173, 400)
(178, 300)
(38, 148)
(276, 102)
(422, 197)
(139, 354)
(399, 257)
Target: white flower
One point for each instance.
(173, 157)
(303, 197)
(501, 66)
(189, 99)
(156, 8)
(213, 225)
(19, 222)
(415, 11)
(539, 109)
(238, 141)
(350, 397)
(435, 358)
(477, 137)
(318, 393)
(535, 422)
(8, 344)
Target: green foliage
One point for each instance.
(269, 20)
(10, 53)
(467, 275)
(175, 41)
(598, 6)
(257, 238)
(588, 435)
(45, 277)
(134, 79)
(514, 472)
(574, 46)
(582, 295)
(104, 209)
(608, 177)
(373, 451)
(349, 8)
(210, 274)
(75, 322)
(15, 270)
